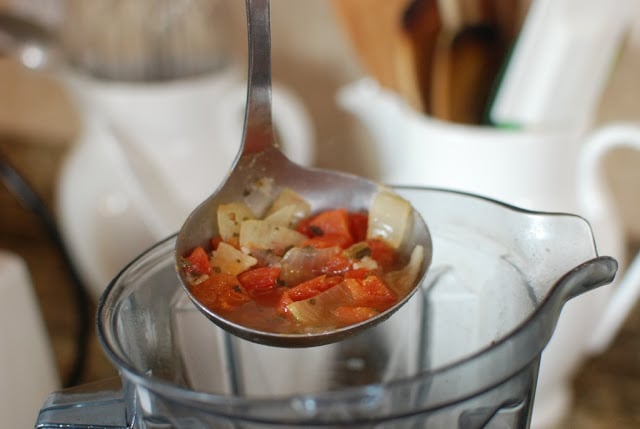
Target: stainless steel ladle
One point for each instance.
(260, 158)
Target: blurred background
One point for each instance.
(314, 56)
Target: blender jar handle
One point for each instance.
(99, 405)
(597, 203)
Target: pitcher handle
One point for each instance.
(98, 405)
(595, 199)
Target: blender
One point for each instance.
(467, 356)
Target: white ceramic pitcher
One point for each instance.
(550, 170)
(148, 154)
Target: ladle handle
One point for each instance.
(258, 129)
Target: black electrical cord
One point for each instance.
(19, 187)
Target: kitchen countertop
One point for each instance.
(38, 124)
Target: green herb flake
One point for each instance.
(361, 253)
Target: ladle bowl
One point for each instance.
(260, 171)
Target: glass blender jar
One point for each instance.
(464, 352)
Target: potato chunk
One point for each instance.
(229, 260)
(230, 217)
(287, 198)
(260, 234)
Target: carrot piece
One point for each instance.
(371, 292)
(261, 280)
(350, 315)
(197, 262)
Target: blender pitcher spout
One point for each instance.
(589, 275)
(585, 277)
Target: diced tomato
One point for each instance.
(382, 253)
(350, 315)
(261, 280)
(371, 292)
(232, 296)
(312, 287)
(220, 292)
(358, 274)
(197, 262)
(285, 300)
(304, 227)
(205, 293)
(271, 298)
(358, 224)
(332, 222)
(338, 264)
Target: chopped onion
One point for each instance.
(227, 259)
(318, 310)
(261, 234)
(265, 257)
(303, 263)
(401, 280)
(230, 218)
(389, 218)
(367, 263)
(288, 197)
(284, 216)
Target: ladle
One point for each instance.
(260, 159)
